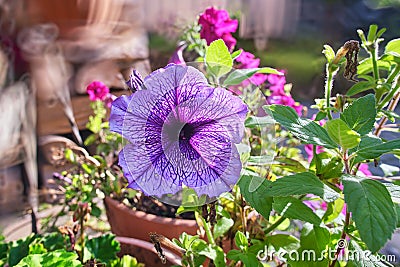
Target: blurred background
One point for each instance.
(51, 50)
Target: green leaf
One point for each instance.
(360, 87)
(293, 208)
(286, 242)
(51, 259)
(216, 254)
(222, 226)
(239, 75)
(366, 66)
(376, 150)
(301, 184)
(252, 121)
(362, 258)
(241, 241)
(19, 249)
(360, 115)
(376, 220)
(289, 164)
(328, 52)
(372, 32)
(126, 261)
(333, 210)
(314, 241)
(255, 191)
(103, 248)
(304, 129)
(218, 58)
(394, 191)
(393, 47)
(342, 134)
(235, 54)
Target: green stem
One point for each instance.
(328, 88)
(342, 237)
(393, 78)
(274, 225)
(201, 221)
(373, 53)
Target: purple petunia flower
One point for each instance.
(216, 24)
(97, 91)
(181, 132)
(177, 57)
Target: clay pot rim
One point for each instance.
(150, 217)
(171, 257)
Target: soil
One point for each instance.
(153, 206)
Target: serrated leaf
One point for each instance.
(360, 87)
(393, 47)
(50, 259)
(313, 242)
(376, 220)
(394, 191)
(362, 258)
(360, 115)
(103, 248)
(376, 150)
(341, 133)
(304, 129)
(218, 58)
(302, 184)
(293, 208)
(257, 196)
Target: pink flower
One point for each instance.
(364, 169)
(177, 57)
(216, 24)
(97, 91)
(309, 148)
(286, 100)
(277, 84)
(247, 60)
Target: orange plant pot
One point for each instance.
(138, 224)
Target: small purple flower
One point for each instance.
(216, 24)
(181, 132)
(177, 57)
(97, 91)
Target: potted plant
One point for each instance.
(199, 135)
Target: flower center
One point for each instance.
(187, 132)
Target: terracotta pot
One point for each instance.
(145, 252)
(138, 224)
